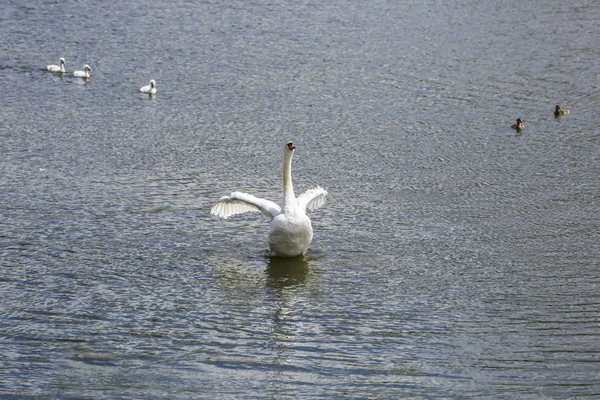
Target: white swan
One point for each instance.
(149, 89)
(291, 231)
(83, 74)
(58, 68)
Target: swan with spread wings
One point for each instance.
(291, 231)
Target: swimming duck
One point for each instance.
(558, 111)
(518, 124)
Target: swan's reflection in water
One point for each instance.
(287, 278)
(273, 292)
(286, 272)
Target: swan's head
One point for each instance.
(87, 68)
(290, 146)
(62, 61)
(152, 83)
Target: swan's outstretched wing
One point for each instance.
(239, 203)
(312, 199)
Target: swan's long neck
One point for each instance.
(289, 199)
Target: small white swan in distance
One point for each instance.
(149, 89)
(83, 74)
(62, 68)
(291, 231)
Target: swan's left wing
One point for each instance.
(239, 203)
(312, 199)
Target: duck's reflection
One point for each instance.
(286, 272)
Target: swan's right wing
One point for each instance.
(312, 199)
(239, 203)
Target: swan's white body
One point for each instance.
(62, 68)
(83, 74)
(291, 231)
(149, 89)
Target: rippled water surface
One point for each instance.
(454, 258)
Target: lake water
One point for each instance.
(454, 258)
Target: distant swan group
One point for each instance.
(85, 74)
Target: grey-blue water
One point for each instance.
(454, 258)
